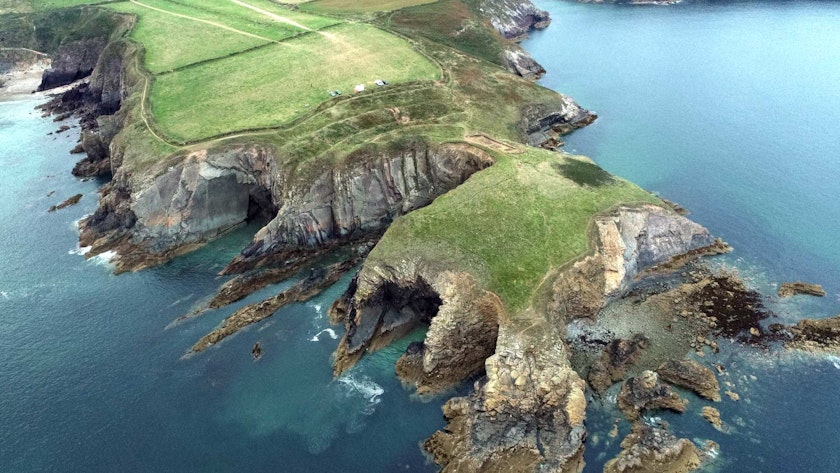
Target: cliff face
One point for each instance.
(513, 19)
(210, 191)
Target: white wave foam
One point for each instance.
(104, 259)
(80, 250)
(364, 386)
(77, 222)
(835, 360)
(329, 331)
(5, 295)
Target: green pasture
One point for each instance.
(272, 85)
(171, 42)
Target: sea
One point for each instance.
(728, 108)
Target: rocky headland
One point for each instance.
(535, 272)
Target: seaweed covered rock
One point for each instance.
(612, 366)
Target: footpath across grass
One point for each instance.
(272, 85)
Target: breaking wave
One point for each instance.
(363, 386)
(328, 331)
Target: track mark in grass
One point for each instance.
(273, 16)
(208, 22)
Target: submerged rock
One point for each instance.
(310, 287)
(691, 375)
(789, 289)
(67, 203)
(647, 393)
(651, 449)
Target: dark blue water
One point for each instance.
(90, 379)
(732, 110)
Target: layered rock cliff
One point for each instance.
(150, 218)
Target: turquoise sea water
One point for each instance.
(732, 110)
(91, 380)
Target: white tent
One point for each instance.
(359, 88)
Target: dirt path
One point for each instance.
(273, 16)
(208, 22)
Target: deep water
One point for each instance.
(730, 109)
(91, 380)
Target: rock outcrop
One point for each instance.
(311, 286)
(461, 336)
(513, 19)
(691, 375)
(528, 415)
(789, 289)
(75, 60)
(651, 449)
(542, 123)
(629, 241)
(645, 393)
(518, 61)
(818, 335)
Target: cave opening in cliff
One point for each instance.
(261, 208)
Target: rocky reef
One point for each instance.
(646, 392)
(816, 335)
(652, 449)
(790, 289)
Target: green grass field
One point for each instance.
(272, 85)
(173, 42)
(360, 6)
(511, 223)
(257, 10)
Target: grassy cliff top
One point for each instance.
(210, 74)
(512, 225)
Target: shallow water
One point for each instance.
(91, 379)
(730, 109)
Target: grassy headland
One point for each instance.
(512, 224)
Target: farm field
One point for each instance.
(272, 85)
(219, 67)
(172, 41)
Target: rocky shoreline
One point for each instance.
(538, 369)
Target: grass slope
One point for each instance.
(272, 85)
(511, 224)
